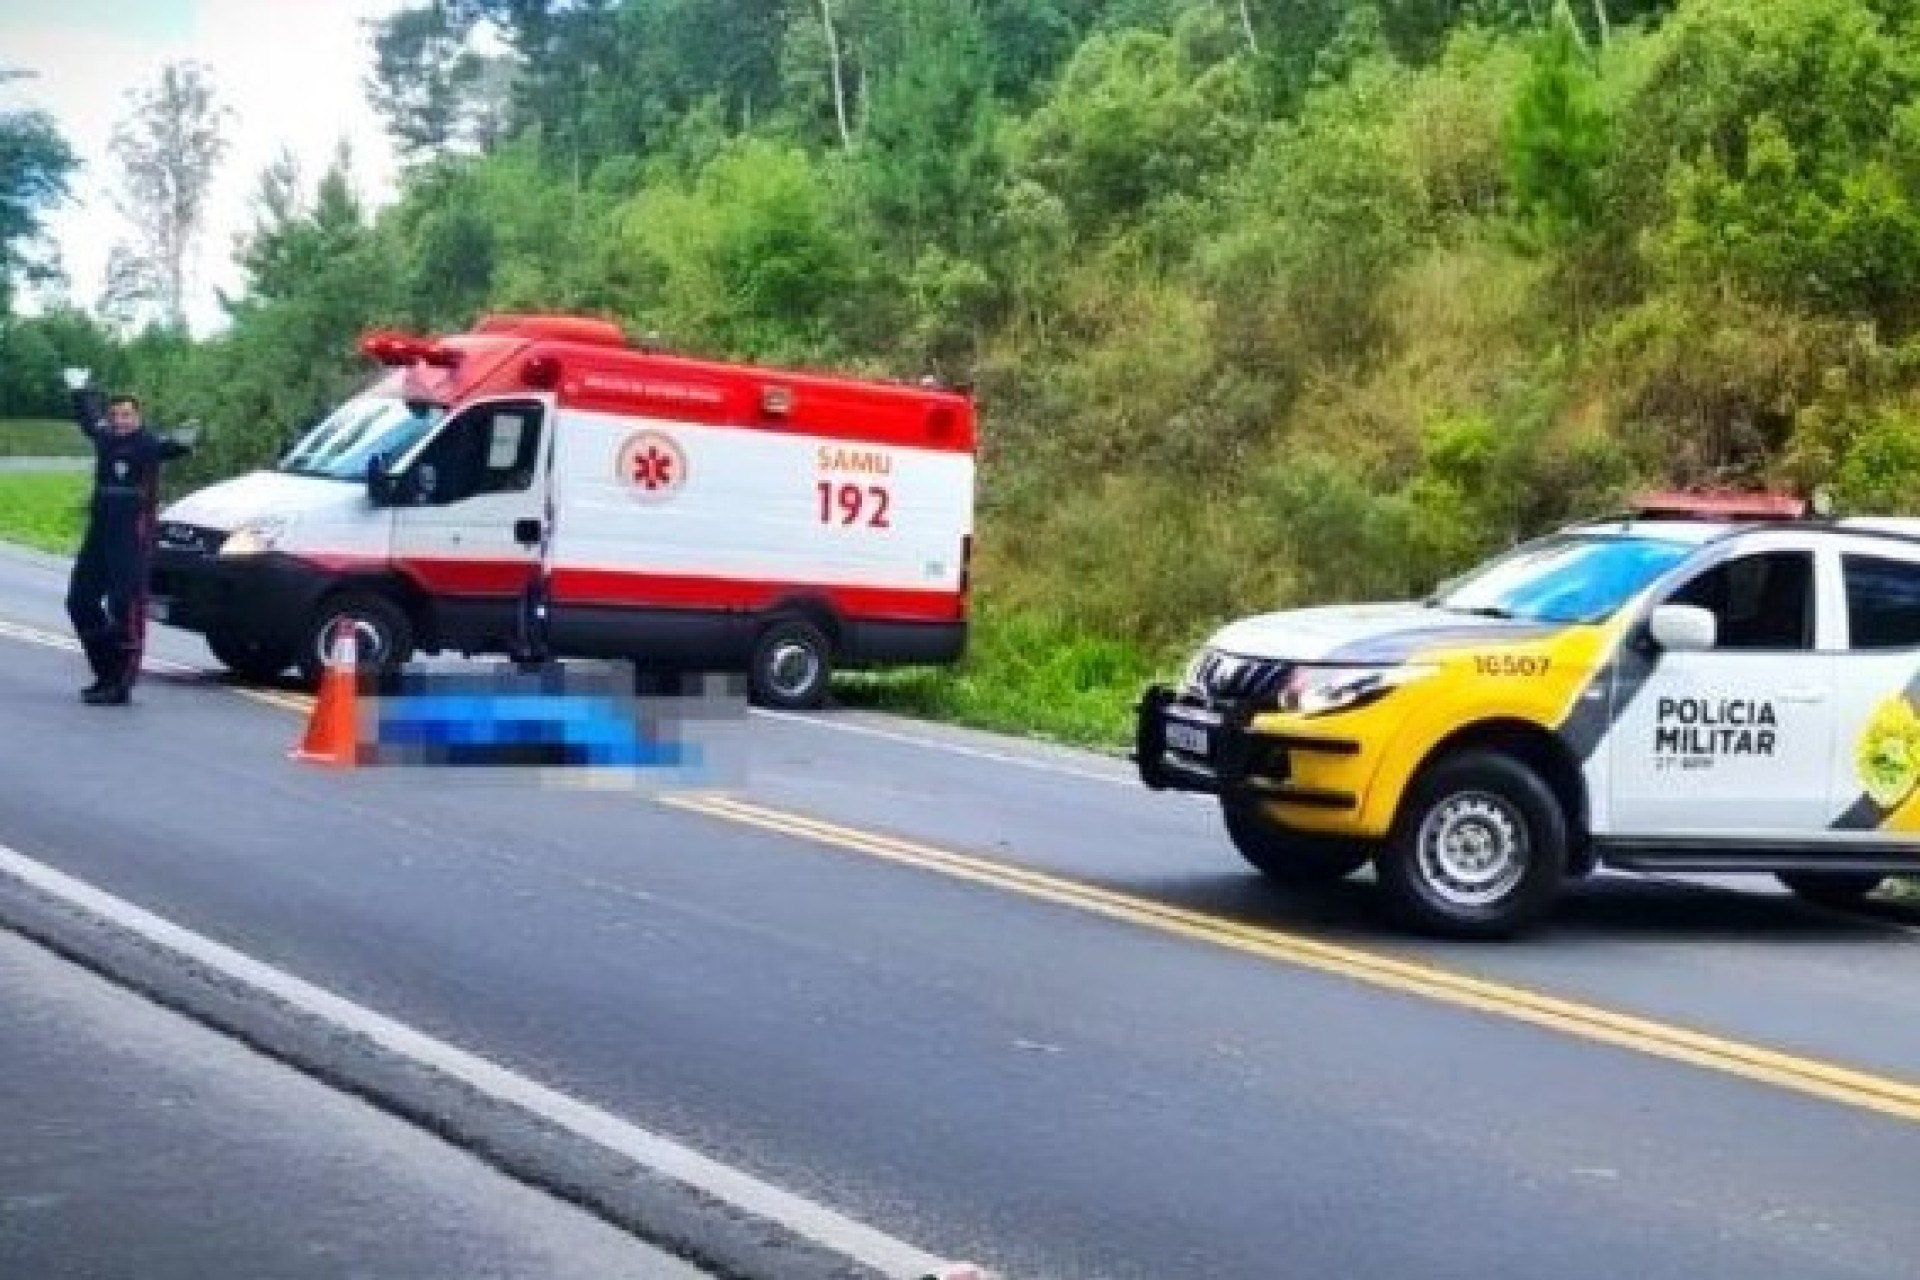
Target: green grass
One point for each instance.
(1023, 674)
(41, 438)
(45, 510)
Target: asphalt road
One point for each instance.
(139, 1143)
(899, 1018)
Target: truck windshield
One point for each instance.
(1566, 578)
(340, 447)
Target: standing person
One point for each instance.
(109, 579)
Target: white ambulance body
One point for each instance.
(680, 513)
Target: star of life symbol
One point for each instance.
(653, 466)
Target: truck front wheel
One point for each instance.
(1479, 849)
(1287, 857)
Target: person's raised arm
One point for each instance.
(89, 405)
(178, 443)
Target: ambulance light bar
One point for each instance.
(1721, 505)
(398, 349)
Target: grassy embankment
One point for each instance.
(43, 509)
(40, 438)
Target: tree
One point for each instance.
(1558, 139)
(425, 77)
(930, 148)
(169, 148)
(35, 166)
(836, 66)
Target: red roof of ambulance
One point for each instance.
(596, 370)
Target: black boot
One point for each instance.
(102, 669)
(116, 682)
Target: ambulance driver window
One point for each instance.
(512, 436)
(489, 449)
(1761, 601)
(1883, 603)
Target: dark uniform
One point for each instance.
(109, 579)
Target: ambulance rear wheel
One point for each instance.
(1479, 850)
(792, 666)
(256, 660)
(383, 636)
(1287, 857)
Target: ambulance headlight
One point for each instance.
(1319, 691)
(253, 539)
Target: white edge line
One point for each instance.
(662, 1155)
(951, 748)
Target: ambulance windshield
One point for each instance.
(340, 447)
(1566, 578)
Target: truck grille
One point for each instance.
(1218, 677)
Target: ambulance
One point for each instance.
(1703, 683)
(682, 513)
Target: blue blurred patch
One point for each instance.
(548, 730)
(554, 718)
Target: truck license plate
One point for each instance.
(1189, 739)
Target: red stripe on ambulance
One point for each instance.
(618, 589)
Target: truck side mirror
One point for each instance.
(1683, 628)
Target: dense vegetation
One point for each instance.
(1264, 302)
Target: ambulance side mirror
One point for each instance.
(1683, 628)
(379, 481)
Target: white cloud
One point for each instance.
(292, 70)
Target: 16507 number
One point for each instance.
(852, 504)
(1511, 664)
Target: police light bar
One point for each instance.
(1721, 506)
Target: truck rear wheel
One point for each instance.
(1479, 849)
(1287, 857)
(383, 636)
(1832, 888)
(792, 666)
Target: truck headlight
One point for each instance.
(254, 538)
(1319, 691)
(1193, 679)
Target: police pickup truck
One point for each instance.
(1722, 683)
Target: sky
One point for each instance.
(292, 70)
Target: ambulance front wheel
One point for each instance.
(259, 661)
(383, 635)
(792, 666)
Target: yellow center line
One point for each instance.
(1660, 1039)
(1885, 1095)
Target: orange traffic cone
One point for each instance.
(333, 729)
